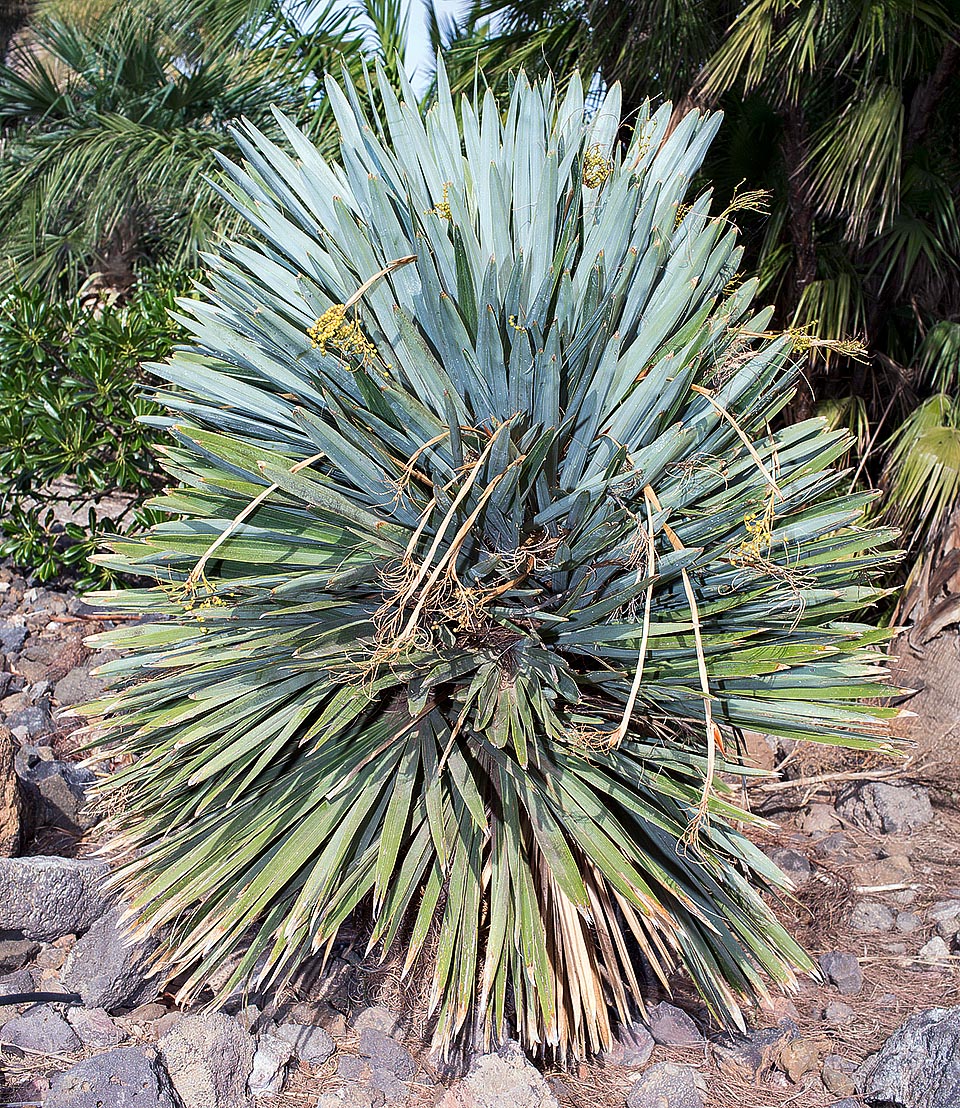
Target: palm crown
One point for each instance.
(481, 555)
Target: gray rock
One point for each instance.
(667, 1085)
(310, 1044)
(908, 922)
(12, 637)
(390, 1086)
(129, 1077)
(504, 1078)
(935, 950)
(31, 723)
(871, 915)
(757, 1051)
(946, 915)
(94, 1027)
(41, 1028)
(377, 1017)
(793, 864)
(209, 1058)
(838, 1013)
(671, 1026)
(47, 898)
(918, 1066)
(108, 967)
(60, 790)
(842, 970)
(270, 1061)
(632, 1046)
(20, 981)
(79, 686)
(386, 1054)
(885, 808)
(349, 1067)
(15, 953)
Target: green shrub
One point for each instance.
(71, 393)
(483, 553)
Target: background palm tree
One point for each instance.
(114, 118)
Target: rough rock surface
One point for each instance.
(40, 1028)
(918, 1066)
(128, 1077)
(668, 1085)
(269, 1065)
(504, 1078)
(757, 1051)
(310, 1044)
(671, 1026)
(842, 970)
(11, 800)
(94, 1027)
(632, 1046)
(58, 789)
(108, 967)
(386, 1055)
(47, 898)
(879, 806)
(209, 1058)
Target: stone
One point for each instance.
(94, 1027)
(31, 722)
(15, 953)
(885, 808)
(668, 1085)
(48, 658)
(755, 1052)
(908, 922)
(209, 1058)
(108, 967)
(793, 864)
(12, 984)
(12, 812)
(386, 1054)
(310, 1044)
(838, 1013)
(819, 819)
(79, 686)
(501, 1080)
(800, 1057)
(918, 1066)
(377, 1017)
(835, 845)
(671, 1026)
(871, 915)
(349, 1067)
(632, 1046)
(843, 970)
(12, 637)
(837, 1075)
(128, 1077)
(59, 789)
(946, 916)
(935, 950)
(46, 897)
(41, 1028)
(270, 1061)
(895, 870)
(389, 1085)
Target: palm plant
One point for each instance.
(148, 89)
(482, 553)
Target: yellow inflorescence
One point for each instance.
(596, 167)
(442, 209)
(334, 329)
(759, 528)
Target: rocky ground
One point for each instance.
(873, 848)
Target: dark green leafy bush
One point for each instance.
(75, 460)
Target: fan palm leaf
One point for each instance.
(481, 554)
